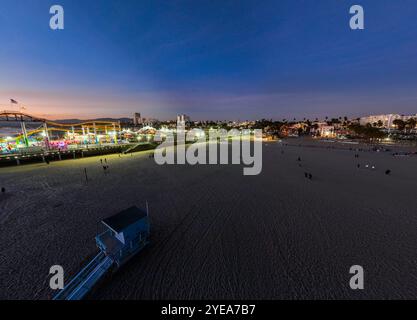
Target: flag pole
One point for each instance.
(12, 102)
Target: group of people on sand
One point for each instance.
(307, 175)
(105, 165)
(373, 167)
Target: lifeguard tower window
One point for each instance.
(124, 219)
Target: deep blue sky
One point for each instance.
(209, 59)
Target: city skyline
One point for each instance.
(210, 60)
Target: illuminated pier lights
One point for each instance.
(55, 135)
(98, 133)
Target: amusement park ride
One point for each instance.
(89, 132)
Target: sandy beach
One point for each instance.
(217, 234)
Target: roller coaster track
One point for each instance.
(32, 132)
(15, 116)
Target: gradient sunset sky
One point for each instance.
(209, 59)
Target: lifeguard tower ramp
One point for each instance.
(84, 281)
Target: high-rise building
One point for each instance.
(137, 119)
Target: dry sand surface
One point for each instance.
(217, 234)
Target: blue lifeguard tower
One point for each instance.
(127, 233)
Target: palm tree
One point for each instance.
(400, 124)
(411, 123)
